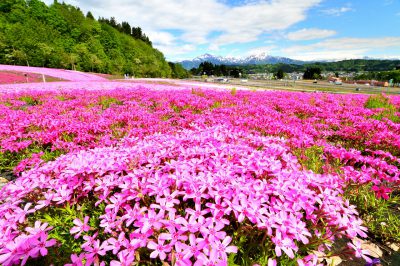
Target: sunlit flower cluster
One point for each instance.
(181, 174)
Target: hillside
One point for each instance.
(61, 36)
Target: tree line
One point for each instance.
(61, 36)
(353, 65)
(124, 27)
(377, 70)
(208, 68)
(393, 75)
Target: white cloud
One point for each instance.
(198, 20)
(270, 49)
(310, 34)
(337, 11)
(176, 50)
(161, 37)
(341, 48)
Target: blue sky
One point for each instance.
(299, 29)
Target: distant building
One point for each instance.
(335, 80)
(221, 80)
(261, 76)
(295, 76)
(372, 83)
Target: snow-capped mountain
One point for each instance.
(256, 59)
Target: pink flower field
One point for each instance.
(57, 73)
(117, 173)
(12, 78)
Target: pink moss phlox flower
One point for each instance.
(176, 170)
(125, 258)
(80, 227)
(358, 251)
(21, 213)
(40, 245)
(159, 249)
(96, 250)
(382, 192)
(76, 260)
(39, 228)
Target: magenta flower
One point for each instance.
(182, 257)
(153, 220)
(76, 260)
(178, 170)
(21, 213)
(117, 244)
(223, 248)
(381, 192)
(358, 251)
(40, 245)
(39, 228)
(125, 258)
(212, 231)
(272, 262)
(95, 250)
(159, 249)
(80, 227)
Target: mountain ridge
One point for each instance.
(261, 59)
(254, 59)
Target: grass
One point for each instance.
(387, 109)
(106, 102)
(381, 216)
(30, 100)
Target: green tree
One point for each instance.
(280, 74)
(61, 36)
(178, 71)
(312, 73)
(89, 15)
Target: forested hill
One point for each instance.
(61, 36)
(359, 65)
(352, 65)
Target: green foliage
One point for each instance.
(30, 100)
(388, 110)
(9, 160)
(311, 158)
(381, 216)
(312, 73)
(215, 105)
(280, 74)
(106, 102)
(376, 69)
(61, 36)
(378, 101)
(49, 155)
(61, 219)
(178, 71)
(256, 247)
(382, 76)
(198, 92)
(207, 68)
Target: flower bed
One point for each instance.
(15, 77)
(52, 72)
(191, 176)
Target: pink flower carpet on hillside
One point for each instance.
(178, 174)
